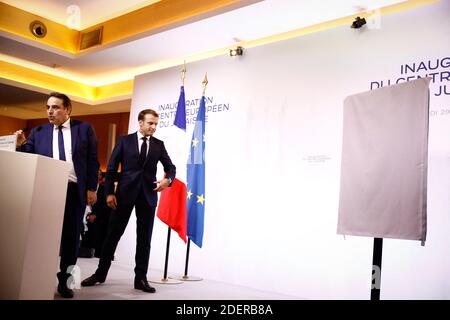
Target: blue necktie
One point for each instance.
(62, 153)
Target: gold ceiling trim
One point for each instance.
(122, 86)
(152, 19)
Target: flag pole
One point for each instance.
(186, 277)
(164, 279)
(183, 73)
(204, 83)
(187, 260)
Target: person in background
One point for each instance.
(97, 221)
(86, 249)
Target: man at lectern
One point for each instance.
(75, 142)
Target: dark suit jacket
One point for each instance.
(135, 176)
(84, 152)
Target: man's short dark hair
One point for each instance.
(142, 114)
(66, 100)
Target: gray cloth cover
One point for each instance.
(383, 190)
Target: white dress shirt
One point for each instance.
(67, 137)
(140, 141)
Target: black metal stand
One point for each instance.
(376, 269)
(185, 277)
(166, 280)
(166, 262)
(187, 258)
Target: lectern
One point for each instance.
(32, 199)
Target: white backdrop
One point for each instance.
(273, 147)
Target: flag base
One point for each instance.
(165, 281)
(187, 278)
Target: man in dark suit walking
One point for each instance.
(75, 142)
(139, 154)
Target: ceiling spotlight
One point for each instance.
(238, 51)
(358, 23)
(38, 29)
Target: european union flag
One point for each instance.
(180, 116)
(196, 179)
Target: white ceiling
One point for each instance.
(123, 62)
